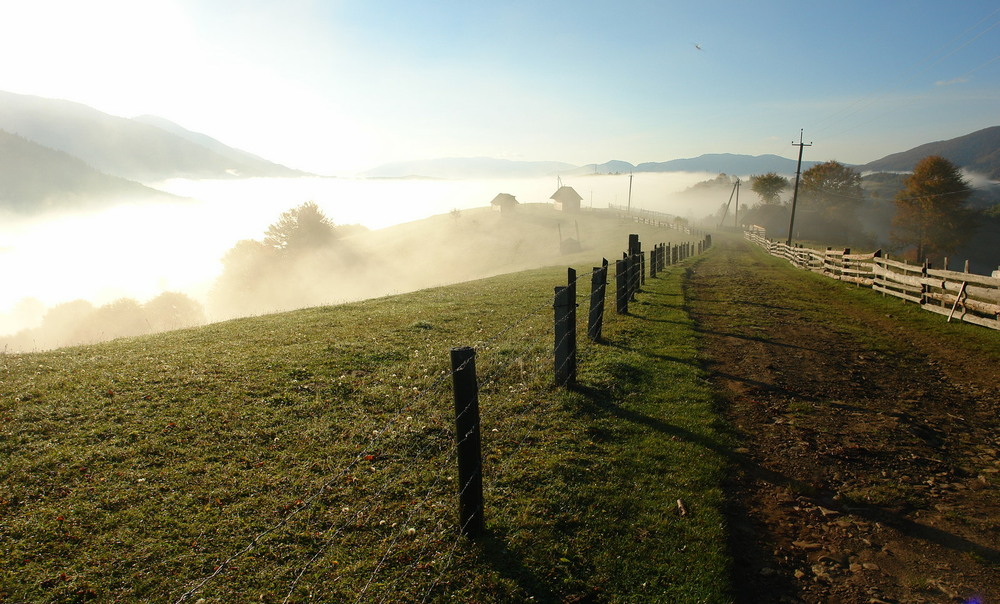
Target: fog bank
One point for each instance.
(144, 249)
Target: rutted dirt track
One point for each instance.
(868, 469)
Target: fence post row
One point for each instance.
(598, 287)
(565, 332)
(467, 434)
(969, 297)
(621, 287)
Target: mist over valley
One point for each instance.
(142, 249)
(107, 215)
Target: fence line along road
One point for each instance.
(962, 295)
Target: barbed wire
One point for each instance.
(374, 440)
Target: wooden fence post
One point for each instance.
(621, 287)
(652, 261)
(565, 332)
(598, 287)
(633, 276)
(467, 434)
(633, 244)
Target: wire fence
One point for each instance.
(362, 527)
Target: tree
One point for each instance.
(290, 268)
(299, 229)
(768, 186)
(930, 210)
(831, 196)
(172, 310)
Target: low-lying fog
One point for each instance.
(142, 250)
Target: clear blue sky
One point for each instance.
(337, 86)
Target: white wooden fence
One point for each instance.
(967, 296)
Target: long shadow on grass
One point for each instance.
(511, 566)
(661, 357)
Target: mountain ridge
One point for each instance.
(82, 155)
(977, 151)
(123, 147)
(36, 178)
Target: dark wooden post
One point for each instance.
(621, 287)
(652, 261)
(565, 332)
(470, 461)
(598, 287)
(633, 276)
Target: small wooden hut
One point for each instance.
(504, 202)
(567, 199)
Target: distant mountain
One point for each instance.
(146, 151)
(258, 166)
(614, 166)
(713, 163)
(469, 168)
(34, 178)
(728, 163)
(977, 152)
(484, 167)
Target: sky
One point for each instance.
(337, 87)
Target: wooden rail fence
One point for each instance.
(970, 297)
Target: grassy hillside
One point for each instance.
(309, 455)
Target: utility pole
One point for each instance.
(629, 210)
(795, 193)
(736, 214)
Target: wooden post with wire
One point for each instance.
(598, 287)
(565, 332)
(467, 434)
(621, 287)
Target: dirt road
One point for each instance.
(868, 470)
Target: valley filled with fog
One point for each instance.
(140, 250)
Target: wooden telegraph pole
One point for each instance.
(629, 209)
(795, 193)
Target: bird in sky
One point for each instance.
(698, 46)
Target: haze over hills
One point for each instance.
(60, 153)
(145, 150)
(35, 178)
(484, 167)
(976, 152)
(469, 167)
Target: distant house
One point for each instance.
(567, 199)
(504, 202)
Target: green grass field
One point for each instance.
(310, 455)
